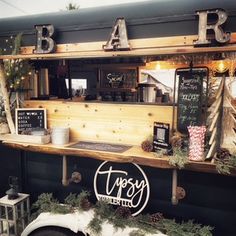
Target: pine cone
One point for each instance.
(176, 141)
(85, 204)
(147, 146)
(156, 217)
(123, 212)
(223, 153)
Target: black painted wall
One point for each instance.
(10, 165)
(210, 198)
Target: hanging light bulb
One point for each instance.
(221, 64)
(221, 67)
(158, 66)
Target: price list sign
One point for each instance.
(190, 93)
(30, 118)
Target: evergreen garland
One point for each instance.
(46, 203)
(104, 212)
(179, 158)
(224, 166)
(95, 225)
(136, 233)
(79, 201)
(120, 218)
(17, 44)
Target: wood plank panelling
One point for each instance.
(115, 123)
(139, 47)
(184, 40)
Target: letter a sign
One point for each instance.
(118, 39)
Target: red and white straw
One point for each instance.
(196, 142)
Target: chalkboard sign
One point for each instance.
(30, 118)
(190, 97)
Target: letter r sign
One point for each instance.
(204, 26)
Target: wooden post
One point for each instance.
(6, 99)
(214, 120)
(17, 100)
(228, 134)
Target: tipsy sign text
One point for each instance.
(122, 184)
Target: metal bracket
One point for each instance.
(75, 176)
(65, 180)
(178, 193)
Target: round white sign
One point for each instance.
(123, 184)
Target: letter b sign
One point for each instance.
(45, 44)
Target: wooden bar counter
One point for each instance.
(119, 124)
(134, 155)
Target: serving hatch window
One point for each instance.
(163, 82)
(78, 86)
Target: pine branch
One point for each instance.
(17, 44)
(104, 212)
(179, 158)
(224, 166)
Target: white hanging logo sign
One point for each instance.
(122, 184)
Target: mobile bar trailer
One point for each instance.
(103, 80)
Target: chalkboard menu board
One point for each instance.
(190, 97)
(30, 118)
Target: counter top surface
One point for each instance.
(134, 154)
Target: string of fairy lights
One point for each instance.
(16, 70)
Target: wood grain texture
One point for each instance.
(133, 155)
(103, 122)
(37, 139)
(143, 46)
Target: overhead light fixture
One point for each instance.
(158, 65)
(221, 64)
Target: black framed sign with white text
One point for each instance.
(30, 118)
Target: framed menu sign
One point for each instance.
(191, 95)
(30, 118)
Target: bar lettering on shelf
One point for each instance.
(30, 118)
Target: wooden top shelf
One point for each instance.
(134, 155)
(132, 90)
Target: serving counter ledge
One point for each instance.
(134, 155)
